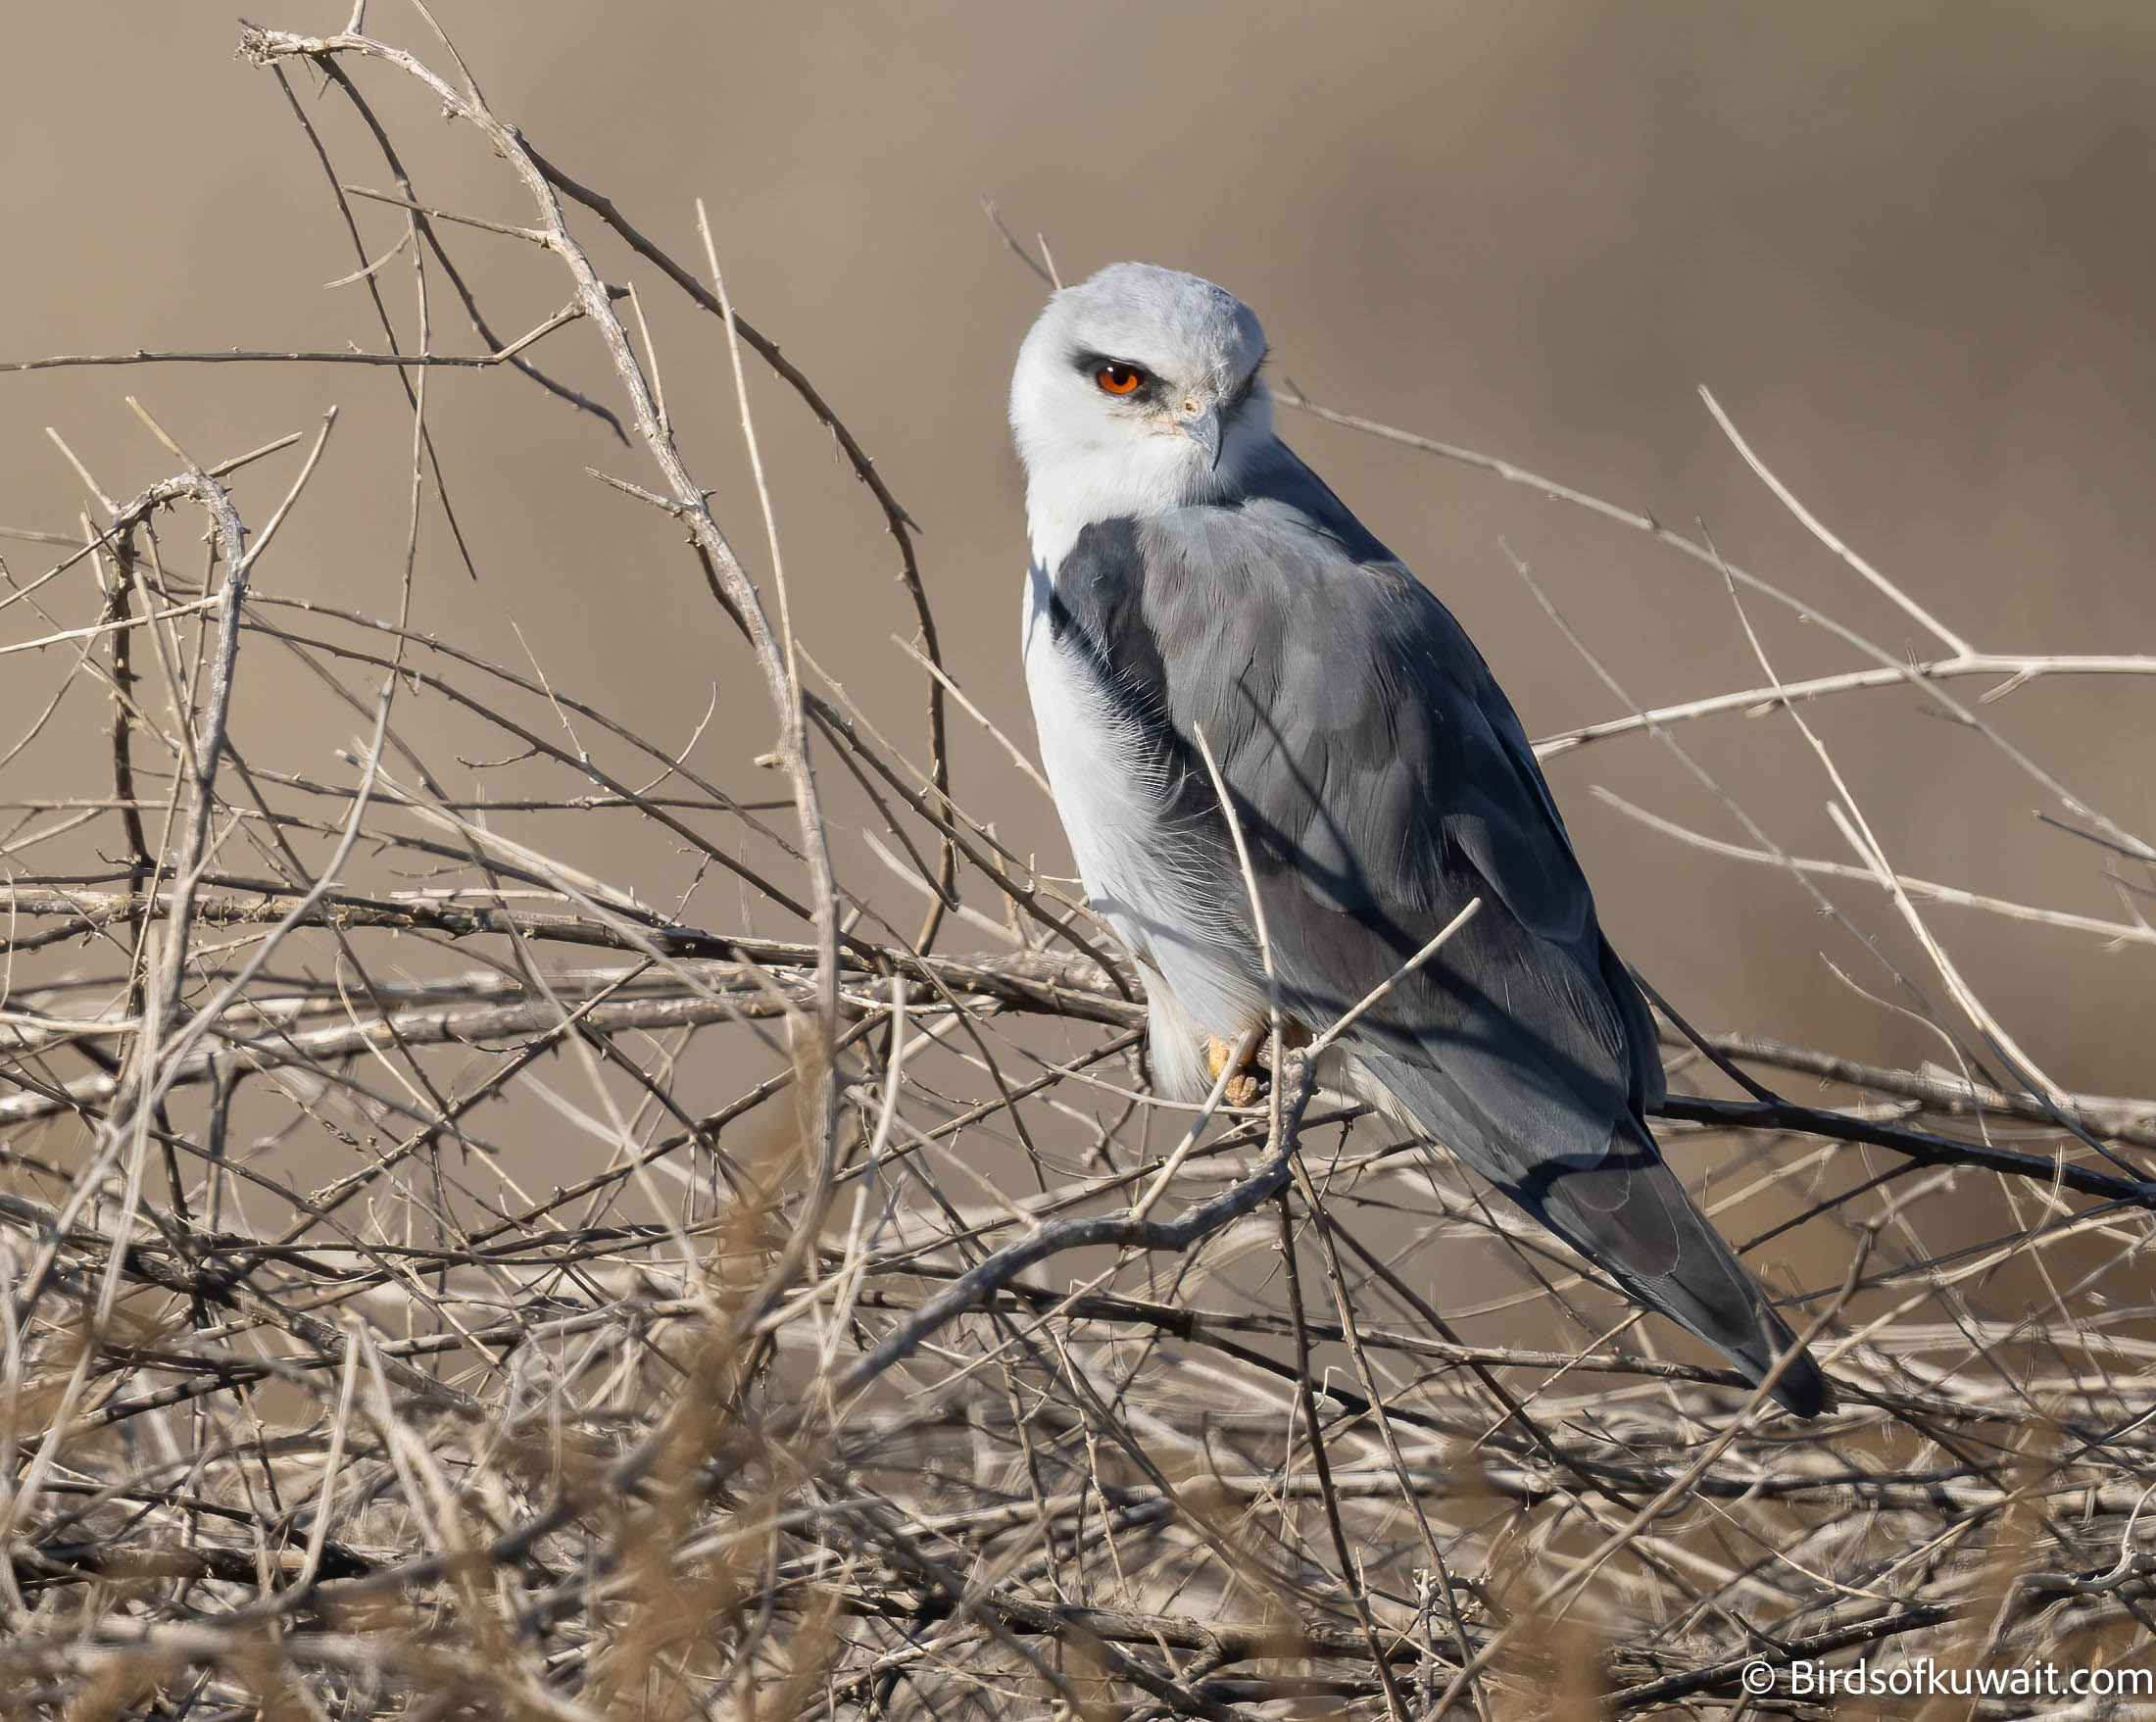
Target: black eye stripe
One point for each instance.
(1091, 365)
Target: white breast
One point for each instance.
(1110, 806)
(1113, 805)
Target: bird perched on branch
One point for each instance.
(1201, 607)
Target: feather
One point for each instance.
(1382, 781)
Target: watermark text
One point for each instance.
(1926, 1677)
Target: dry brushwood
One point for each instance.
(894, 1354)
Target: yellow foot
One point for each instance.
(1241, 1089)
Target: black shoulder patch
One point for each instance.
(1098, 609)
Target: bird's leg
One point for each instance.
(1241, 1089)
(1246, 1085)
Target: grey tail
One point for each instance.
(1628, 1214)
(1631, 1218)
(1724, 1307)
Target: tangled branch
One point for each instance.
(446, 1277)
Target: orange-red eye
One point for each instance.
(1119, 379)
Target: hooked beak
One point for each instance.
(1203, 429)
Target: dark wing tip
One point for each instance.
(1804, 1390)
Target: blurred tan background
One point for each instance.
(1910, 247)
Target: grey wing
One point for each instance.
(1383, 782)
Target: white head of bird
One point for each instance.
(1136, 392)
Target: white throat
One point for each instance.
(1066, 495)
(1073, 482)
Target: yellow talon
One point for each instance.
(1241, 1089)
